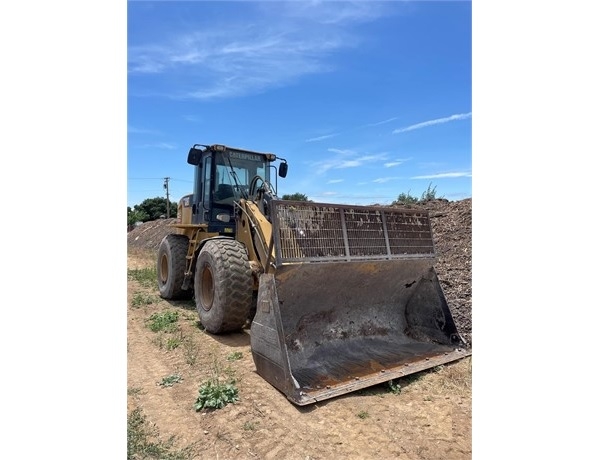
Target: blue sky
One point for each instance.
(365, 100)
(68, 98)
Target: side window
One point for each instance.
(207, 183)
(198, 184)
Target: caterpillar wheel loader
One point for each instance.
(338, 297)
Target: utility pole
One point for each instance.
(166, 187)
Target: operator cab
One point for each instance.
(224, 175)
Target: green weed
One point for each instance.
(144, 442)
(170, 380)
(363, 415)
(406, 198)
(145, 276)
(428, 195)
(173, 342)
(250, 426)
(216, 395)
(165, 321)
(217, 391)
(235, 355)
(140, 299)
(191, 351)
(395, 386)
(134, 391)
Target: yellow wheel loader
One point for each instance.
(338, 297)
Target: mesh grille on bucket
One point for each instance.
(305, 232)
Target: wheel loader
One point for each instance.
(338, 297)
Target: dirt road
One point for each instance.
(429, 418)
(423, 416)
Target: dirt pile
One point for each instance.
(149, 234)
(452, 231)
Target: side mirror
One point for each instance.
(194, 156)
(283, 169)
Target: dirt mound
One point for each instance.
(452, 231)
(149, 234)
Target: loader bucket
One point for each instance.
(354, 301)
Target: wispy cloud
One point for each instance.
(134, 130)
(355, 162)
(345, 158)
(342, 151)
(394, 163)
(378, 123)
(383, 180)
(438, 121)
(444, 175)
(321, 138)
(272, 47)
(332, 12)
(160, 145)
(335, 181)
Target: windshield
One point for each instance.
(233, 173)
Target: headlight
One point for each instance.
(223, 217)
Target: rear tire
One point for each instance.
(171, 266)
(223, 286)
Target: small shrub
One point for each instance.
(165, 321)
(394, 388)
(429, 194)
(363, 415)
(191, 351)
(139, 299)
(406, 198)
(170, 380)
(134, 391)
(217, 392)
(234, 356)
(173, 342)
(250, 426)
(145, 276)
(213, 394)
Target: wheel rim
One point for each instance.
(164, 269)
(207, 288)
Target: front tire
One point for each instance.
(223, 286)
(171, 266)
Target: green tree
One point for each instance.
(152, 209)
(134, 216)
(296, 197)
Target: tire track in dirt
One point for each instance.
(422, 422)
(165, 406)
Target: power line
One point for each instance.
(144, 178)
(159, 178)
